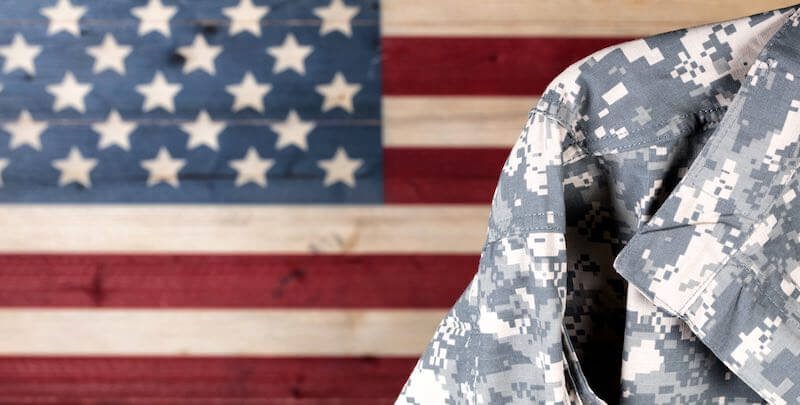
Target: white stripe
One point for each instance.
(557, 18)
(217, 332)
(458, 228)
(454, 121)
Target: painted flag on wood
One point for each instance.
(253, 201)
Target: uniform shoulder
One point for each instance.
(528, 193)
(637, 91)
(634, 94)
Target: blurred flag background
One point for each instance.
(235, 200)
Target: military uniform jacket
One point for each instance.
(643, 241)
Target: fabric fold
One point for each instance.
(704, 255)
(643, 242)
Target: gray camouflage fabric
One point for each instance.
(643, 243)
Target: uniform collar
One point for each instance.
(735, 178)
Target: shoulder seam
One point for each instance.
(568, 128)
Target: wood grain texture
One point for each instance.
(217, 332)
(576, 18)
(218, 229)
(235, 281)
(454, 121)
(486, 66)
(202, 380)
(442, 175)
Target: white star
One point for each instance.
(25, 131)
(3, 165)
(292, 131)
(75, 168)
(114, 131)
(163, 168)
(109, 55)
(248, 93)
(69, 93)
(20, 55)
(245, 17)
(290, 55)
(336, 17)
(159, 93)
(252, 168)
(338, 93)
(199, 55)
(64, 17)
(154, 17)
(203, 131)
(340, 168)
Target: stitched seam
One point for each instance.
(526, 229)
(657, 123)
(742, 258)
(704, 285)
(646, 142)
(657, 139)
(662, 122)
(566, 128)
(730, 258)
(635, 146)
(583, 145)
(536, 228)
(761, 290)
(764, 289)
(754, 90)
(538, 214)
(756, 220)
(521, 232)
(600, 148)
(691, 175)
(718, 352)
(737, 251)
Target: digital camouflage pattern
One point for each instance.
(643, 243)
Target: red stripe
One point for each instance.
(55, 399)
(298, 281)
(479, 65)
(194, 378)
(442, 175)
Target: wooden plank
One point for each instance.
(442, 175)
(207, 229)
(29, 399)
(235, 281)
(192, 380)
(241, 332)
(574, 18)
(454, 121)
(508, 66)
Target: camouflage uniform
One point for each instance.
(643, 243)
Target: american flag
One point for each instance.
(260, 201)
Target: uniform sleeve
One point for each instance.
(502, 341)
